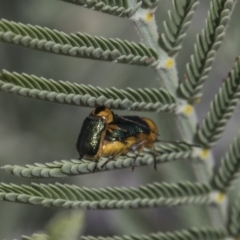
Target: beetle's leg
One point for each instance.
(105, 163)
(95, 167)
(133, 162)
(140, 148)
(154, 157)
(136, 147)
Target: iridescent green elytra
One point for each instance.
(90, 136)
(93, 131)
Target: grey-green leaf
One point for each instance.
(230, 167)
(175, 27)
(165, 153)
(86, 95)
(118, 8)
(77, 45)
(208, 42)
(221, 108)
(71, 196)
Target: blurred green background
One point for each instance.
(34, 131)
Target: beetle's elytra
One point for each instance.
(105, 134)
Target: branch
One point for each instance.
(86, 95)
(76, 45)
(165, 153)
(71, 196)
(221, 108)
(179, 19)
(208, 42)
(185, 127)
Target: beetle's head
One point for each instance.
(104, 113)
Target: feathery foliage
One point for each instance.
(221, 108)
(179, 20)
(230, 167)
(157, 51)
(208, 42)
(70, 196)
(78, 94)
(165, 153)
(76, 45)
(116, 8)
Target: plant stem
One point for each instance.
(186, 125)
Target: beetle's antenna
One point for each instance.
(181, 142)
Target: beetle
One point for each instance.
(105, 134)
(92, 133)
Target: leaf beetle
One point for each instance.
(105, 134)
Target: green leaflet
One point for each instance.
(228, 172)
(179, 19)
(71, 196)
(210, 188)
(77, 45)
(86, 95)
(221, 108)
(118, 8)
(208, 42)
(165, 153)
